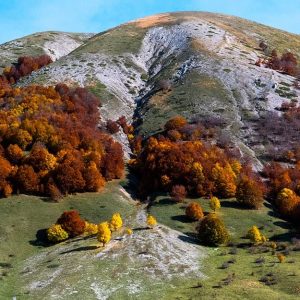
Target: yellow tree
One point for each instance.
(116, 222)
(151, 221)
(104, 233)
(255, 235)
(214, 203)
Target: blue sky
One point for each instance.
(22, 17)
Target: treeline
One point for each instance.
(24, 66)
(50, 143)
(183, 162)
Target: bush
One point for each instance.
(71, 222)
(151, 221)
(56, 233)
(194, 211)
(281, 257)
(212, 230)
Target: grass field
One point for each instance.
(239, 271)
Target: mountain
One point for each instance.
(208, 60)
(194, 64)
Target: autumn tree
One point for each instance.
(94, 181)
(175, 123)
(27, 179)
(90, 228)
(112, 126)
(116, 222)
(194, 211)
(151, 221)
(178, 193)
(255, 235)
(287, 201)
(69, 173)
(14, 153)
(53, 191)
(71, 222)
(250, 192)
(214, 203)
(212, 230)
(104, 233)
(225, 180)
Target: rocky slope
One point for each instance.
(206, 59)
(55, 44)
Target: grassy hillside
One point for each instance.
(23, 217)
(240, 266)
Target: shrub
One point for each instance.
(178, 193)
(129, 231)
(175, 123)
(250, 192)
(281, 257)
(255, 236)
(194, 211)
(212, 230)
(104, 233)
(116, 222)
(71, 222)
(90, 228)
(56, 233)
(151, 221)
(214, 203)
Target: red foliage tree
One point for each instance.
(178, 193)
(71, 222)
(250, 192)
(69, 173)
(27, 180)
(112, 127)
